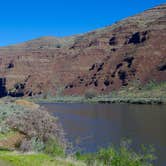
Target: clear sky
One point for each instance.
(21, 20)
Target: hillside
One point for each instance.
(129, 52)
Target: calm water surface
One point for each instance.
(91, 126)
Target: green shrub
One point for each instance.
(37, 144)
(150, 85)
(122, 156)
(52, 147)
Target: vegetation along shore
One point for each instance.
(151, 93)
(24, 139)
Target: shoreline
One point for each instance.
(151, 93)
(117, 100)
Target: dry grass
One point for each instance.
(11, 141)
(27, 104)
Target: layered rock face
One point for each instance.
(132, 50)
(3, 91)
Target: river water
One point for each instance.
(92, 126)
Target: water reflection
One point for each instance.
(91, 126)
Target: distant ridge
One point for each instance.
(45, 42)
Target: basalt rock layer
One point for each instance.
(132, 50)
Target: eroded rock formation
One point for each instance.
(104, 60)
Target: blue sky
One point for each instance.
(21, 20)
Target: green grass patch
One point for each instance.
(38, 159)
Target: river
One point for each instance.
(91, 126)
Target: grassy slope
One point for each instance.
(38, 159)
